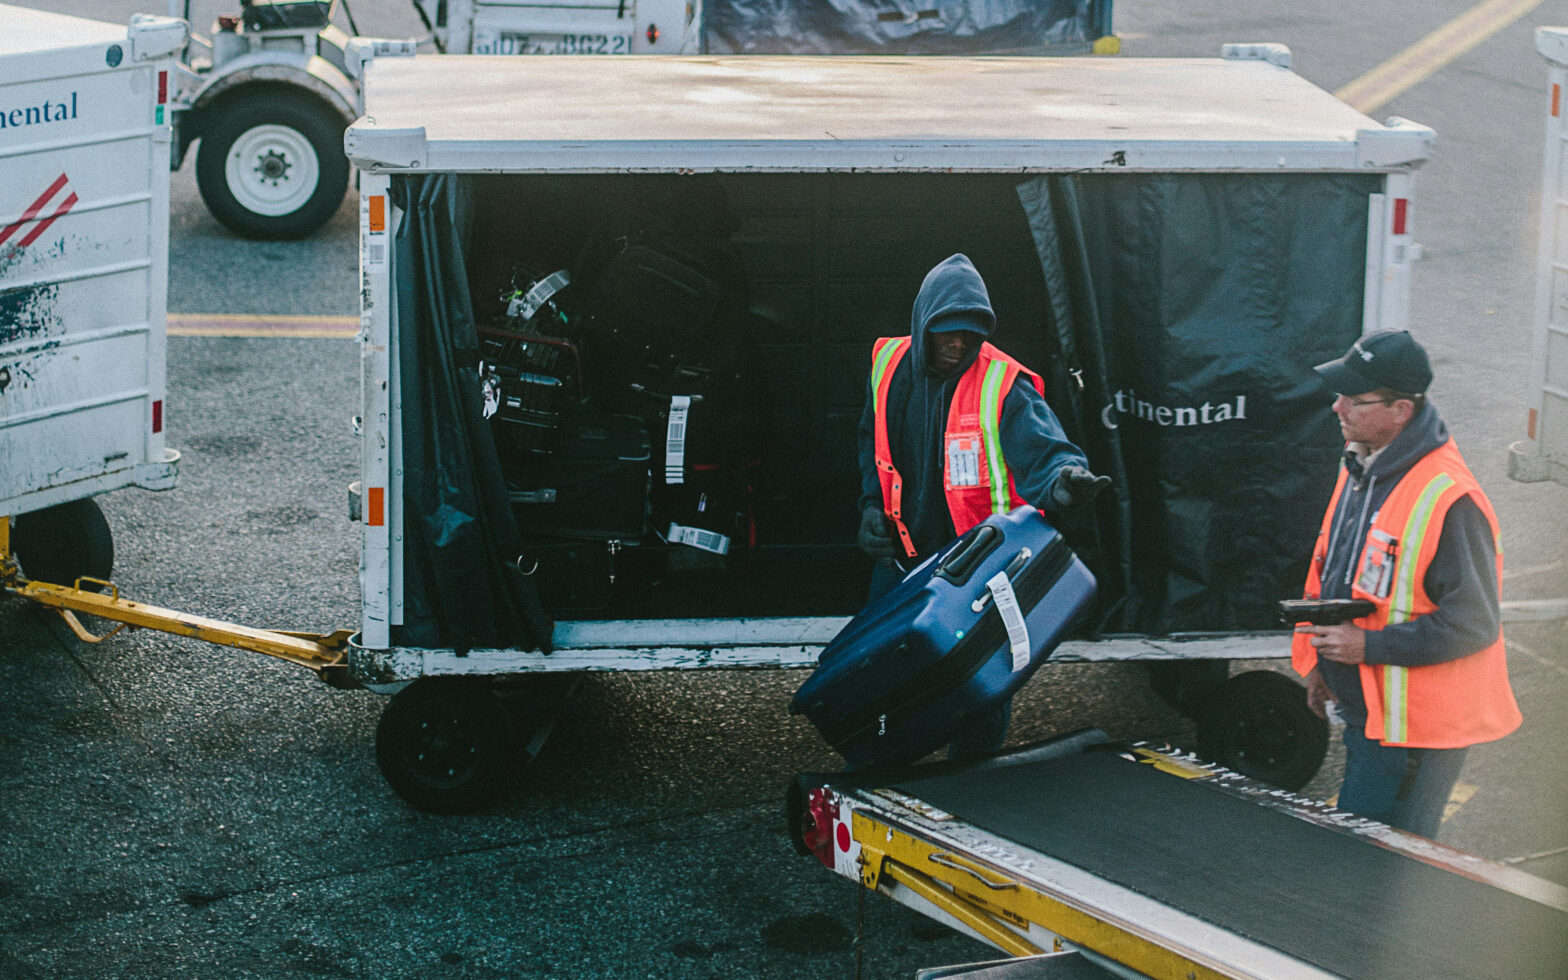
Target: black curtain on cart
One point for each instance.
(1187, 311)
(461, 586)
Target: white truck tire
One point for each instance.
(271, 165)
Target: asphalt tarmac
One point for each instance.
(170, 808)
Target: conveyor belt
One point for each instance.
(1327, 898)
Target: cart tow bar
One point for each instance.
(322, 653)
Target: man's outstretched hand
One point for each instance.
(875, 537)
(1076, 486)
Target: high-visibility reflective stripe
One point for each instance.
(1396, 690)
(879, 364)
(1403, 600)
(990, 426)
(1396, 680)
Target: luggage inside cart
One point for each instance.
(627, 405)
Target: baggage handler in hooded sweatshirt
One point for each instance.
(953, 431)
(1424, 676)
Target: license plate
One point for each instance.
(511, 43)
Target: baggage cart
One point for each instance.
(84, 243)
(1543, 453)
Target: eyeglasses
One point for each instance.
(1369, 401)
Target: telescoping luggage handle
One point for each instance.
(974, 548)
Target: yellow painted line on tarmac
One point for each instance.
(260, 325)
(1458, 797)
(1432, 53)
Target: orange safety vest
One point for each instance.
(1435, 706)
(974, 473)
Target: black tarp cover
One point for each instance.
(1193, 307)
(461, 586)
(931, 27)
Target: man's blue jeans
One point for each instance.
(1404, 788)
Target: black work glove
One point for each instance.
(1075, 486)
(875, 538)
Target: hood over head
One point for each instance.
(952, 297)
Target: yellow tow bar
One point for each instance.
(322, 653)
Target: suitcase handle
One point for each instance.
(967, 556)
(1011, 571)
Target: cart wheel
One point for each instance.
(270, 164)
(1258, 724)
(62, 543)
(444, 745)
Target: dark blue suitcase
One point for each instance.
(903, 676)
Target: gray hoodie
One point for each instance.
(1033, 443)
(1461, 580)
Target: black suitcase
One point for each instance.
(661, 294)
(958, 636)
(537, 382)
(595, 485)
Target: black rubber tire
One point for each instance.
(1183, 684)
(61, 543)
(445, 745)
(313, 120)
(1258, 724)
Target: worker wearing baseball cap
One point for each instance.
(1424, 676)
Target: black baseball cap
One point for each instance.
(1384, 359)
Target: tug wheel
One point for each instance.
(445, 744)
(1258, 724)
(270, 164)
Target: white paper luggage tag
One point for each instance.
(710, 541)
(527, 305)
(1012, 617)
(675, 440)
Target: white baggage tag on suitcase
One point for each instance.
(675, 440)
(1012, 617)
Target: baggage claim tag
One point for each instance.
(1012, 617)
(675, 440)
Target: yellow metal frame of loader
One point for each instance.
(323, 653)
(1002, 908)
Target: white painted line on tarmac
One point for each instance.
(1431, 54)
(1515, 646)
(262, 325)
(1513, 573)
(1538, 855)
(1534, 610)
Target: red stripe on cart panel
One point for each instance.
(157, 416)
(1401, 212)
(43, 225)
(373, 507)
(1557, 100)
(33, 209)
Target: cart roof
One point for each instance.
(24, 30)
(770, 113)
